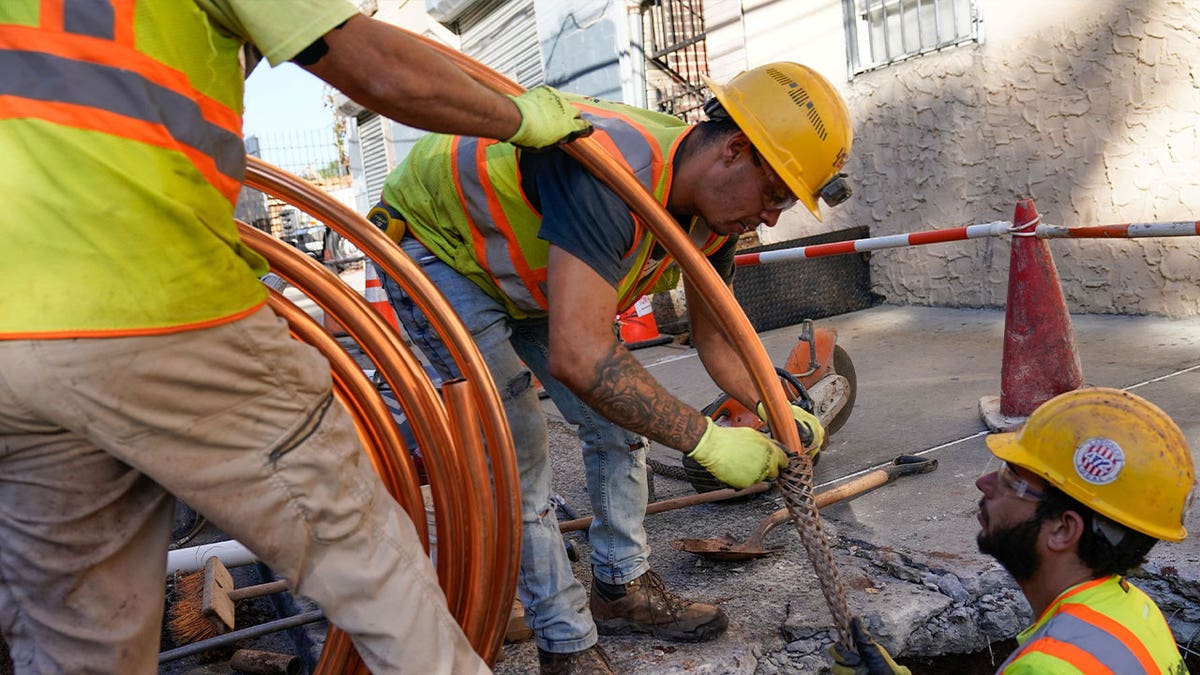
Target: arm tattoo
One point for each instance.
(624, 392)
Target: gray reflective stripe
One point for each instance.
(1104, 646)
(50, 78)
(89, 17)
(499, 261)
(633, 145)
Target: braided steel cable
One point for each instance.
(795, 483)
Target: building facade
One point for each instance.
(959, 107)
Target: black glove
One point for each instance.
(868, 659)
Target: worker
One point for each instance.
(138, 358)
(538, 256)
(1091, 482)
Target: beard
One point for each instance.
(1014, 547)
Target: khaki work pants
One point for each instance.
(239, 422)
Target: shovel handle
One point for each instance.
(677, 503)
(904, 465)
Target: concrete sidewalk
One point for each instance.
(905, 551)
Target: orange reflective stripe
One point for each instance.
(1068, 652)
(92, 119)
(500, 218)
(51, 14)
(1083, 587)
(656, 160)
(101, 52)
(1074, 591)
(613, 150)
(640, 288)
(1117, 630)
(132, 332)
(123, 26)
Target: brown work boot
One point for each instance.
(590, 661)
(644, 605)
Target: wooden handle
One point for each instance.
(259, 589)
(676, 503)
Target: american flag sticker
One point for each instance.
(1099, 460)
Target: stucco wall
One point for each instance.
(1089, 108)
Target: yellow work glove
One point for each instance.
(738, 456)
(812, 434)
(870, 659)
(547, 119)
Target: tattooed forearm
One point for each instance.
(624, 392)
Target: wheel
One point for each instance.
(842, 365)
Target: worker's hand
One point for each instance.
(738, 456)
(870, 659)
(547, 119)
(812, 434)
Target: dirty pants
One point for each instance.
(238, 421)
(614, 460)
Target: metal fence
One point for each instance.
(315, 156)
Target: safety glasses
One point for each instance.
(1018, 486)
(777, 196)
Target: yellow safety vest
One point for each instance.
(120, 134)
(1106, 625)
(462, 199)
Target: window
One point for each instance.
(879, 32)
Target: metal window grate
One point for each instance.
(676, 58)
(879, 32)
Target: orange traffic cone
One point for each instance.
(374, 293)
(1040, 358)
(638, 327)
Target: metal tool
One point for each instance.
(729, 549)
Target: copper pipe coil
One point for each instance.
(357, 394)
(351, 314)
(338, 654)
(458, 340)
(386, 255)
(396, 469)
(467, 513)
(464, 417)
(400, 369)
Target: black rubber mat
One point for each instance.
(785, 293)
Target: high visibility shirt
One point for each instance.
(1106, 625)
(120, 134)
(462, 198)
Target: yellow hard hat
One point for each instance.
(798, 122)
(1112, 451)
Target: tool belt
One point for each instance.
(389, 220)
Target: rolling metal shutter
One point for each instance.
(502, 34)
(374, 153)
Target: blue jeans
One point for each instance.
(614, 459)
